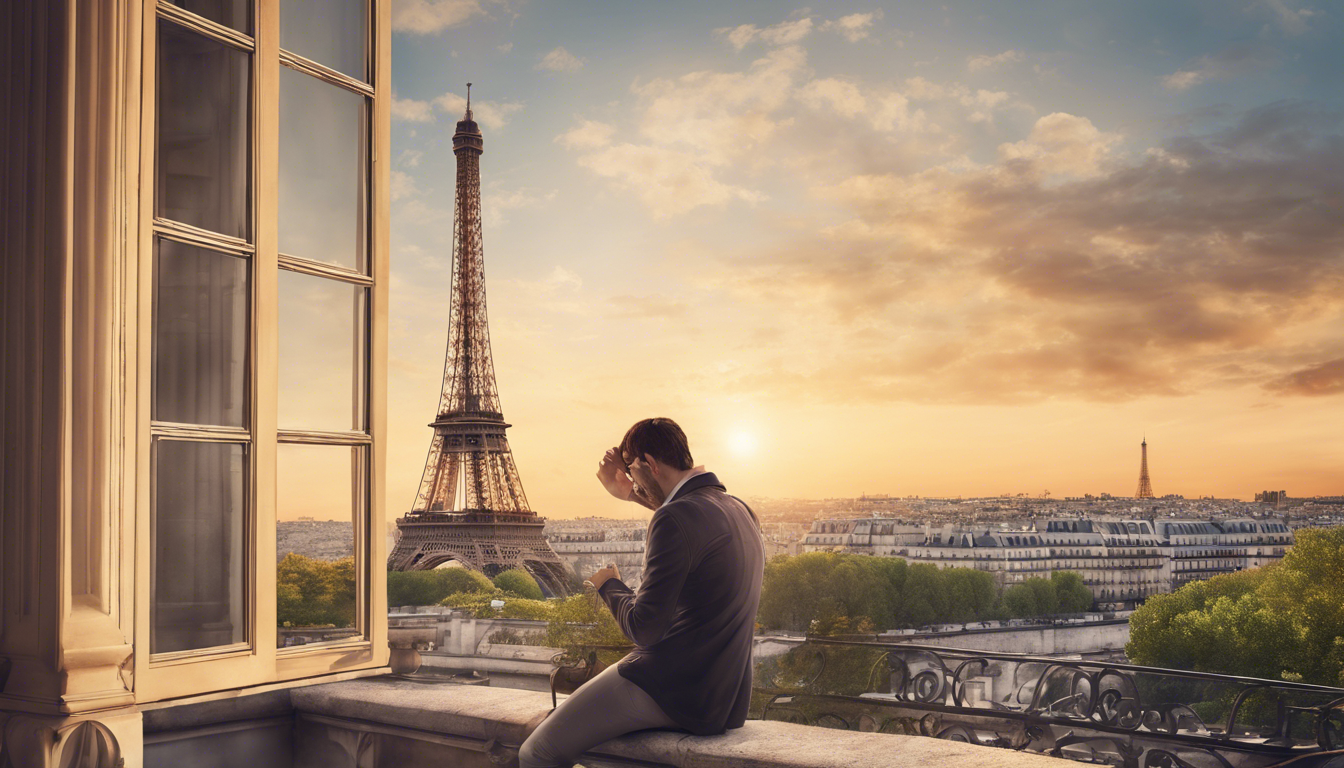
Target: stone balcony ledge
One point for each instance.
(493, 721)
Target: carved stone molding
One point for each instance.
(33, 741)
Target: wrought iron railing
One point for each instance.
(1094, 712)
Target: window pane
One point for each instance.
(323, 171)
(330, 32)
(199, 515)
(231, 13)
(320, 499)
(200, 335)
(323, 353)
(203, 120)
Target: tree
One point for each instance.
(312, 592)
(1047, 600)
(581, 621)
(478, 604)
(1281, 621)
(1071, 593)
(520, 583)
(430, 587)
(971, 594)
(923, 598)
(1019, 602)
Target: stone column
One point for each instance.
(71, 141)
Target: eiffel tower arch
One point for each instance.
(471, 507)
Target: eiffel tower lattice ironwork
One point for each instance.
(470, 506)
(1145, 487)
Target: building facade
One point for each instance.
(1123, 561)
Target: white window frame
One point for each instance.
(193, 673)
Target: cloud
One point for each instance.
(720, 115)
(977, 63)
(496, 203)
(412, 111)
(1062, 144)
(853, 27)
(425, 17)
(981, 102)
(1324, 379)
(588, 134)
(490, 114)
(783, 33)
(881, 110)
(1064, 270)
(561, 277)
(668, 182)
(560, 60)
(839, 96)
(1219, 66)
(691, 129)
(402, 185)
(1291, 20)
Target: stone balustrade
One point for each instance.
(387, 721)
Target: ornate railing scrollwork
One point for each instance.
(1117, 714)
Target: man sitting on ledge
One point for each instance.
(692, 619)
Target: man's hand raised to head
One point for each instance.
(614, 476)
(611, 473)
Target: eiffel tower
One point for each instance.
(470, 506)
(1145, 487)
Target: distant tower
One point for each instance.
(471, 507)
(1145, 487)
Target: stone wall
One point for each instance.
(1036, 641)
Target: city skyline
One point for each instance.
(885, 248)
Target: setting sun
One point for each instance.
(742, 444)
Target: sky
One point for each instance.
(903, 248)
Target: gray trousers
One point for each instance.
(603, 708)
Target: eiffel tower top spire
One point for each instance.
(469, 372)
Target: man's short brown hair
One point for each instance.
(660, 438)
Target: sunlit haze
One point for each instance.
(901, 248)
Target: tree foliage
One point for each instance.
(834, 593)
(1072, 594)
(430, 587)
(581, 621)
(1281, 621)
(315, 593)
(478, 604)
(519, 583)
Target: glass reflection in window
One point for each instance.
(323, 354)
(320, 499)
(200, 335)
(323, 171)
(236, 14)
(196, 533)
(330, 32)
(204, 93)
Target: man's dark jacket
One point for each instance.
(694, 615)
